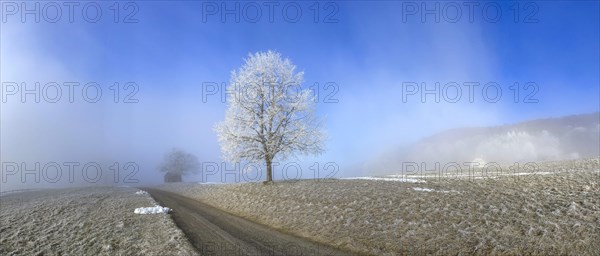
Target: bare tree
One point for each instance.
(270, 116)
(178, 163)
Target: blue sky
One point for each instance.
(368, 53)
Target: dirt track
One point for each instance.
(214, 232)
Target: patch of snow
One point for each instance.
(386, 179)
(423, 189)
(469, 175)
(8, 192)
(152, 210)
(211, 183)
(449, 191)
(141, 192)
(528, 173)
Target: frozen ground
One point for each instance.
(549, 214)
(86, 221)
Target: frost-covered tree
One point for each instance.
(270, 116)
(177, 163)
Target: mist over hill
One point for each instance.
(568, 137)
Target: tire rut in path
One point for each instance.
(215, 232)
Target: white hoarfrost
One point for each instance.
(270, 116)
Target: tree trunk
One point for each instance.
(269, 170)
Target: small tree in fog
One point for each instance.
(178, 163)
(269, 116)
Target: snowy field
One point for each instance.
(554, 213)
(86, 221)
